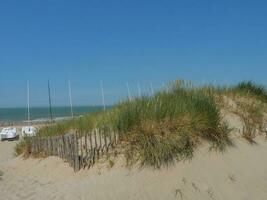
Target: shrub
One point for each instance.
(249, 87)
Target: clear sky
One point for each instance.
(118, 41)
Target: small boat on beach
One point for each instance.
(28, 131)
(8, 133)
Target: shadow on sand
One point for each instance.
(11, 139)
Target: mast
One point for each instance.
(103, 96)
(50, 106)
(163, 86)
(139, 90)
(28, 103)
(70, 98)
(128, 90)
(151, 88)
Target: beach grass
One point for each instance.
(251, 88)
(1, 174)
(168, 126)
(22, 148)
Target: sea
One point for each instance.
(43, 113)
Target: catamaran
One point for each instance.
(8, 133)
(28, 130)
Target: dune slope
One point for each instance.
(239, 173)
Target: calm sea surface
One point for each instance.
(42, 113)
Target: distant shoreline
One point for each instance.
(41, 115)
(41, 121)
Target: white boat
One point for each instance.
(8, 133)
(28, 131)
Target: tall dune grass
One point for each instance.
(249, 87)
(161, 129)
(168, 126)
(249, 101)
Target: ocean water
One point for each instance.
(43, 113)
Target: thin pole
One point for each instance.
(70, 98)
(163, 86)
(128, 90)
(152, 89)
(103, 96)
(28, 97)
(203, 82)
(214, 82)
(50, 106)
(139, 90)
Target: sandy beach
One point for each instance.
(133, 100)
(240, 173)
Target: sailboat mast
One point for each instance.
(70, 97)
(103, 96)
(139, 90)
(50, 106)
(152, 89)
(28, 97)
(128, 90)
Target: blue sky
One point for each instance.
(119, 41)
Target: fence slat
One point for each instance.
(79, 150)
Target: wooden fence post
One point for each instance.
(77, 162)
(81, 146)
(92, 151)
(95, 148)
(105, 140)
(100, 142)
(74, 148)
(86, 150)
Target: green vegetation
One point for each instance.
(251, 88)
(168, 126)
(159, 130)
(1, 174)
(250, 104)
(22, 148)
(111, 163)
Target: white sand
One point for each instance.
(240, 173)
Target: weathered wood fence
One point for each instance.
(80, 150)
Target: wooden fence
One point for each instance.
(80, 150)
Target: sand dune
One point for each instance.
(239, 173)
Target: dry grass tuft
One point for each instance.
(23, 148)
(111, 163)
(1, 174)
(179, 193)
(252, 116)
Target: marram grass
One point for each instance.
(159, 130)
